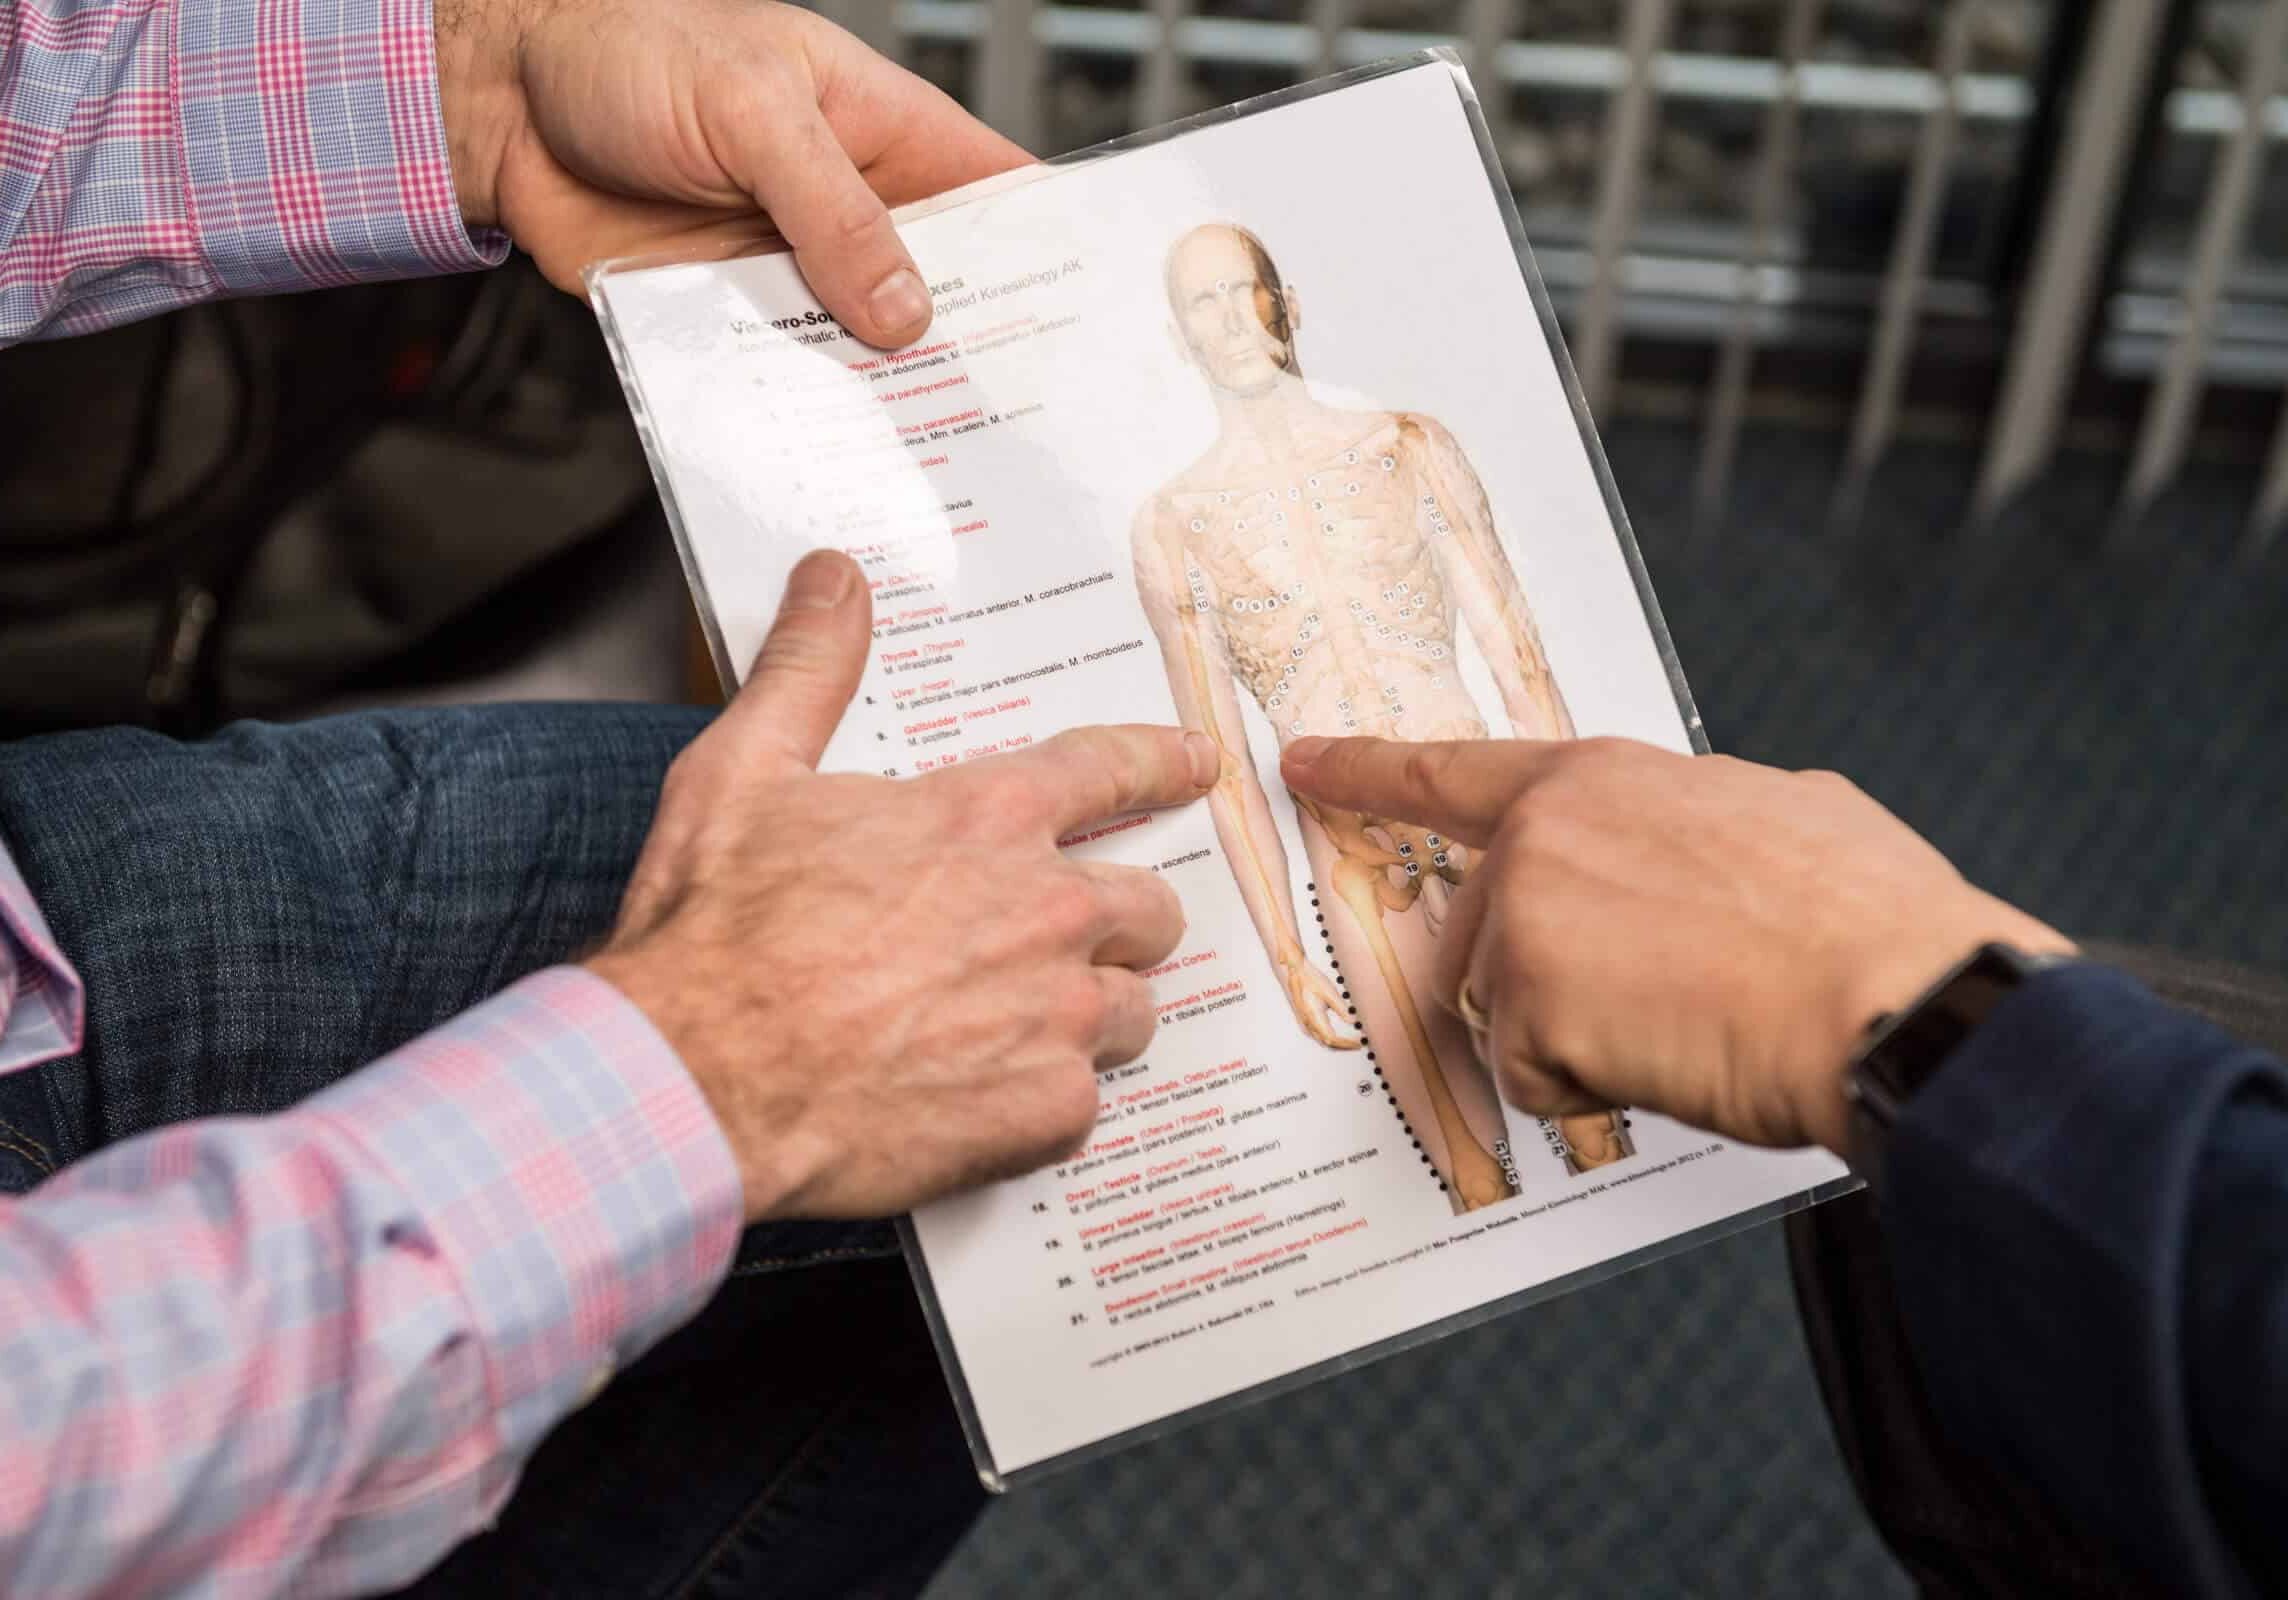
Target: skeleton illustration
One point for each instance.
(1318, 556)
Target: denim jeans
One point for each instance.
(260, 913)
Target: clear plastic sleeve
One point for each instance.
(1262, 420)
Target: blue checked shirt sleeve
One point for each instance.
(158, 152)
(308, 1353)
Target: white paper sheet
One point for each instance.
(1105, 385)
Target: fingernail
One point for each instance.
(819, 582)
(1206, 757)
(1305, 751)
(900, 303)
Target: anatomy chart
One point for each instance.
(1258, 425)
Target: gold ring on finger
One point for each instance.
(1473, 1014)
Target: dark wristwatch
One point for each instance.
(1904, 1049)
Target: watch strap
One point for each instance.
(1903, 1050)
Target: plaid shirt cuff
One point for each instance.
(314, 144)
(570, 1172)
(43, 1004)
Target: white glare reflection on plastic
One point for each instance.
(746, 453)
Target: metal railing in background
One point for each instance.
(1876, 416)
(2166, 431)
(2070, 256)
(2026, 231)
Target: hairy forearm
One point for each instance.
(477, 95)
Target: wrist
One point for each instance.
(477, 43)
(1886, 977)
(763, 1136)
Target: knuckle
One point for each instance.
(998, 798)
(1605, 748)
(1103, 765)
(1581, 783)
(1534, 1067)
(1540, 815)
(693, 790)
(1144, 898)
(1147, 1027)
(1077, 745)
(1069, 1104)
(685, 774)
(946, 800)
(1083, 1008)
(1523, 1084)
(1127, 1002)
(779, 97)
(1728, 1101)
(1050, 1121)
(1823, 778)
(1538, 933)
(1071, 908)
(796, 644)
(1519, 815)
(1164, 906)
(1559, 1043)
(777, 78)
(1123, 774)
(858, 221)
(1609, 759)
(1426, 767)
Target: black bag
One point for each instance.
(234, 509)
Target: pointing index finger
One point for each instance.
(1459, 787)
(1087, 774)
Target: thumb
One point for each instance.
(840, 231)
(1459, 788)
(810, 663)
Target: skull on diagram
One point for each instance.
(1319, 557)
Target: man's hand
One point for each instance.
(596, 128)
(888, 990)
(1695, 935)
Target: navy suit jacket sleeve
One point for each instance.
(2086, 1210)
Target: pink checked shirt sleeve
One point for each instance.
(42, 1007)
(308, 1353)
(157, 152)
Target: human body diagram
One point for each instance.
(1321, 559)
